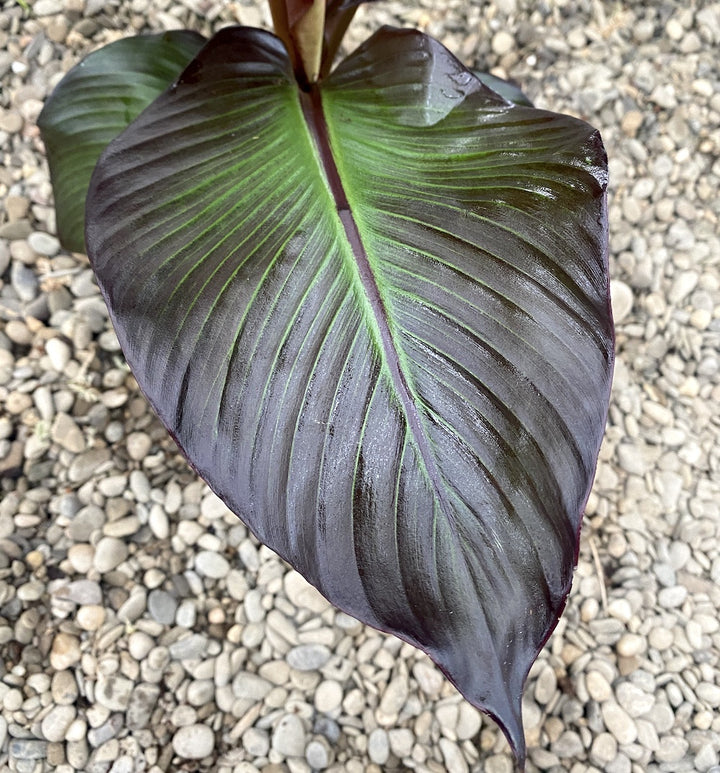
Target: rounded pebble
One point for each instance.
(288, 737)
(378, 746)
(193, 742)
(110, 552)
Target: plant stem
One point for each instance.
(308, 36)
(278, 10)
(303, 36)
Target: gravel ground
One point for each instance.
(143, 629)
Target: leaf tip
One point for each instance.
(509, 720)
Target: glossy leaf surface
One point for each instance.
(93, 103)
(376, 319)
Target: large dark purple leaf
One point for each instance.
(376, 319)
(93, 103)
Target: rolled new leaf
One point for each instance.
(375, 317)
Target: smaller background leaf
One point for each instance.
(96, 101)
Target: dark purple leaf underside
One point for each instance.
(376, 319)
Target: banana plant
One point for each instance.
(370, 303)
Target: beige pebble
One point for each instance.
(502, 42)
(81, 557)
(90, 617)
(629, 645)
(17, 402)
(328, 696)
(66, 433)
(64, 688)
(65, 651)
(620, 609)
(138, 445)
(622, 299)
(16, 207)
(57, 29)
(589, 610)
(597, 686)
(10, 121)
(110, 552)
(34, 559)
(700, 319)
(631, 122)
